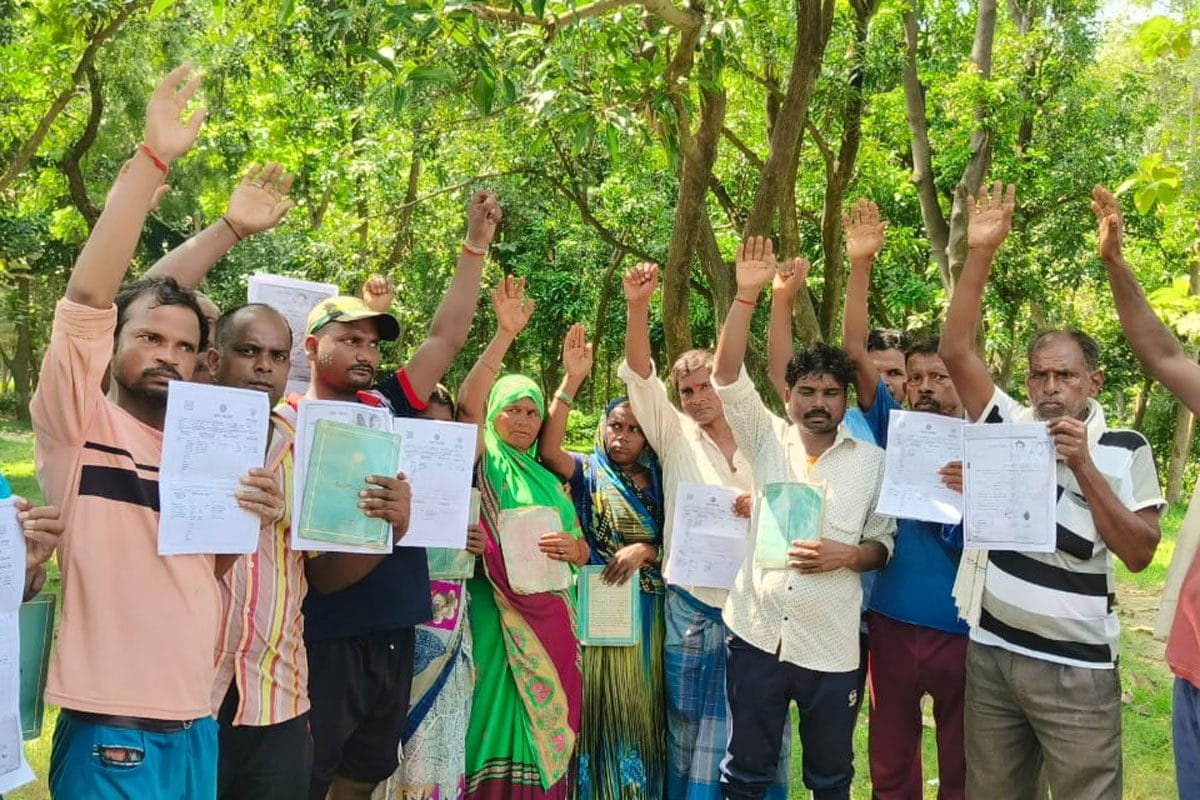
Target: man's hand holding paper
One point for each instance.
(391, 502)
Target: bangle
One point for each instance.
(150, 154)
(566, 398)
(751, 303)
(232, 229)
(473, 249)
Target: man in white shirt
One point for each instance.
(695, 446)
(795, 629)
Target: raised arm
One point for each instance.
(989, 219)
(1160, 352)
(257, 204)
(755, 269)
(640, 283)
(864, 240)
(452, 320)
(105, 258)
(513, 311)
(779, 327)
(577, 363)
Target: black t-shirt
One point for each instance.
(396, 593)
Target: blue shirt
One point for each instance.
(856, 422)
(915, 587)
(5, 489)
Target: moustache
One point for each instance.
(816, 414)
(162, 372)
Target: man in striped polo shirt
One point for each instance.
(1042, 680)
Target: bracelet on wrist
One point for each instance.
(751, 303)
(472, 249)
(150, 154)
(566, 398)
(232, 229)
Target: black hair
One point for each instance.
(923, 346)
(887, 339)
(441, 396)
(166, 293)
(821, 359)
(1088, 345)
(226, 320)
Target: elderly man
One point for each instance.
(1042, 680)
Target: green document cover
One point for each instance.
(36, 624)
(786, 511)
(340, 459)
(447, 563)
(609, 615)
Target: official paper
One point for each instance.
(530, 571)
(785, 512)
(12, 557)
(14, 769)
(213, 436)
(708, 541)
(609, 615)
(293, 298)
(919, 444)
(438, 460)
(1010, 487)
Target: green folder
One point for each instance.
(786, 511)
(36, 623)
(609, 616)
(340, 459)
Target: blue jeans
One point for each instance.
(103, 763)
(1185, 731)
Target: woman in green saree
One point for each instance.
(526, 706)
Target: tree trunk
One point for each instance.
(1142, 402)
(30, 148)
(70, 163)
(1181, 446)
(606, 292)
(402, 241)
(20, 364)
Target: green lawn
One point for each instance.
(1149, 766)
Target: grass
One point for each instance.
(1145, 679)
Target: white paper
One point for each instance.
(14, 769)
(294, 298)
(438, 459)
(213, 436)
(1010, 487)
(310, 412)
(530, 571)
(12, 557)
(919, 444)
(708, 541)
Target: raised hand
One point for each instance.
(577, 352)
(165, 134)
(755, 262)
(1110, 224)
(260, 201)
(989, 217)
(864, 231)
(790, 276)
(512, 308)
(378, 294)
(483, 215)
(640, 282)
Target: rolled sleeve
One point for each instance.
(69, 383)
(1145, 489)
(753, 426)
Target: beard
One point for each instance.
(146, 390)
(929, 404)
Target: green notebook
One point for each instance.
(340, 459)
(609, 615)
(36, 623)
(786, 511)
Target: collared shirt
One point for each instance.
(261, 644)
(809, 620)
(687, 454)
(1058, 606)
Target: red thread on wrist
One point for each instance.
(473, 250)
(150, 154)
(751, 303)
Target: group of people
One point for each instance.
(284, 674)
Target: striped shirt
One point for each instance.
(1059, 606)
(261, 644)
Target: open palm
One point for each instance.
(989, 217)
(577, 352)
(513, 309)
(864, 231)
(755, 262)
(165, 134)
(260, 201)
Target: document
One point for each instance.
(341, 457)
(438, 459)
(451, 563)
(1010, 487)
(919, 444)
(12, 557)
(309, 414)
(293, 298)
(14, 769)
(212, 437)
(530, 571)
(609, 615)
(36, 620)
(708, 541)
(785, 512)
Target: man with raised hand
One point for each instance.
(1042, 680)
(133, 667)
(1165, 360)
(360, 619)
(794, 630)
(916, 641)
(695, 445)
